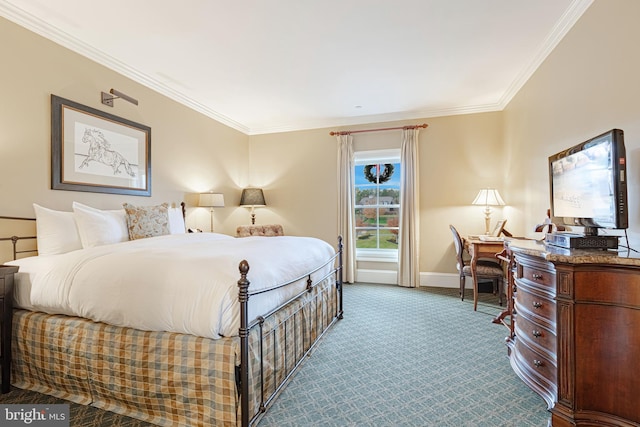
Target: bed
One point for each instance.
(89, 327)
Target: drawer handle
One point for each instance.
(538, 363)
(537, 276)
(537, 304)
(536, 334)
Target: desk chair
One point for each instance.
(486, 269)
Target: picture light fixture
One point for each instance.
(107, 98)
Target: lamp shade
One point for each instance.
(211, 200)
(488, 197)
(252, 197)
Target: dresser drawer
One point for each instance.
(535, 363)
(534, 304)
(536, 336)
(536, 270)
(538, 276)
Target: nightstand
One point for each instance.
(6, 314)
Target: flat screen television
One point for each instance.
(589, 184)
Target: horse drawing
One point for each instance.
(100, 151)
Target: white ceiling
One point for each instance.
(264, 66)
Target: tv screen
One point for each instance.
(588, 183)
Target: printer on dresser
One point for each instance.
(576, 337)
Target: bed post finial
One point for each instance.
(243, 298)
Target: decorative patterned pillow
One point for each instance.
(147, 221)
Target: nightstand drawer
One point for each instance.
(6, 303)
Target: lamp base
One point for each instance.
(487, 220)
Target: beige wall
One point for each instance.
(458, 156)
(588, 85)
(193, 153)
(190, 152)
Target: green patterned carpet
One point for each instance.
(400, 357)
(410, 357)
(80, 415)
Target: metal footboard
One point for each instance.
(321, 327)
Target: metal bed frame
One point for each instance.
(14, 239)
(266, 398)
(245, 327)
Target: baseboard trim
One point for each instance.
(387, 277)
(440, 280)
(390, 277)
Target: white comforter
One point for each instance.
(179, 283)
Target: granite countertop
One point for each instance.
(573, 256)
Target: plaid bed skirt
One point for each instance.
(168, 379)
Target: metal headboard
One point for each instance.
(15, 239)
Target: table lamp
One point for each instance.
(211, 200)
(488, 197)
(252, 197)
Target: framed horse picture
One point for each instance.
(95, 151)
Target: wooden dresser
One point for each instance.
(533, 346)
(576, 338)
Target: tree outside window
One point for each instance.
(377, 205)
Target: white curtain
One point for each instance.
(409, 236)
(346, 206)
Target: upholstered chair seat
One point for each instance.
(484, 268)
(260, 230)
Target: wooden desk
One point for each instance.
(481, 249)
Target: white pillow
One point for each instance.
(56, 231)
(97, 227)
(176, 221)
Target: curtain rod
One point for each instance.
(349, 132)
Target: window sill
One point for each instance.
(377, 258)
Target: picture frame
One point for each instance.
(98, 152)
(499, 228)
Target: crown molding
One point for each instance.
(378, 118)
(62, 38)
(575, 10)
(28, 21)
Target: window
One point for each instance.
(377, 202)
